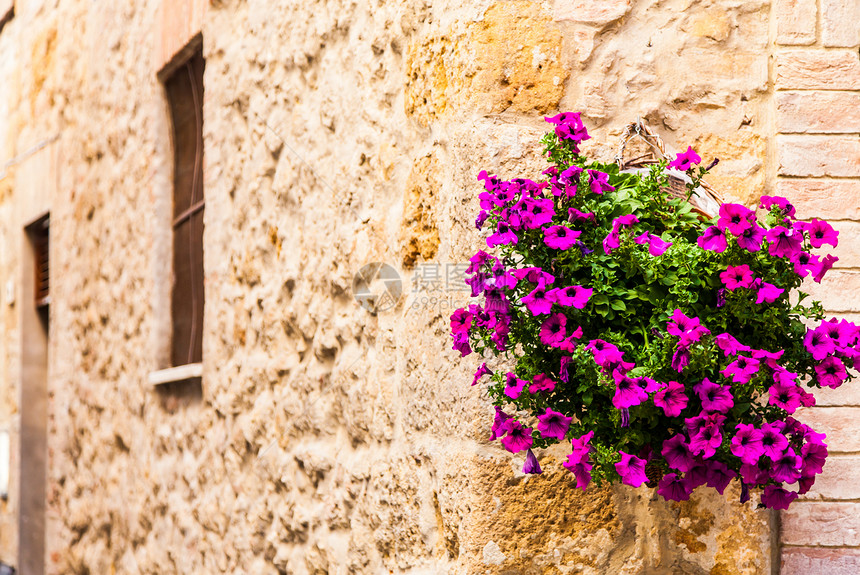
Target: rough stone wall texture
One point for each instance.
(327, 439)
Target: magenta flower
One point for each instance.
(560, 237)
(553, 424)
(805, 263)
(542, 382)
(742, 369)
(685, 160)
(730, 345)
(735, 218)
(824, 267)
(831, 372)
(784, 242)
(737, 276)
(718, 476)
(629, 391)
(531, 465)
(514, 386)
(500, 424)
(673, 488)
(533, 275)
(568, 344)
(682, 325)
(677, 453)
(768, 293)
(746, 444)
(671, 399)
(706, 440)
(818, 344)
(537, 301)
(518, 438)
(785, 396)
(715, 397)
(713, 240)
(611, 242)
(631, 469)
(503, 236)
(768, 202)
(599, 182)
(575, 296)
(813, 456)
(552, 331)
(569, 127)
(483, 370)
(774, 497)
(656, 245)
(578, 463)
(461, 343)
(574, 215)
(750, 239)
(786, 468)
(773, 442)
(538, 213)
(570, 176)
(820, 233)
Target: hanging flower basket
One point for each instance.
(664, 343)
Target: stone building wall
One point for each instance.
(328, 439)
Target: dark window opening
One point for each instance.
(39, 233)
(184, 89)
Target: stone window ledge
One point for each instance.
(175, 374)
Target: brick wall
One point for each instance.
(817, 101)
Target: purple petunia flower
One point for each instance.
(713, 240)
(500, 424)
(673, 488)
(735, 218)
(818, 344)
(531, 466)
(538, 212)
(742, 369)
(813, 457)
(569, 127)
(746, 444)
(805, 263)
(483, 370)
(560, 237)
(570, 178)
(824, 267)
(671, 399)
(685, 160)
(677, 453)
(538, 302)
(656, 245)
(730, 345)
(552, 331)
(553, 424)
(768, 293)
(718, 476)
(773, 442)
(715, 397)
(533, 275)
(820, 233)
(784, 242)
(503, 236)
(783, 395)
(514, 386)
(831, 372)
(786, 468)
(737, 277)
(541, 382)
(750, 239)
(574, 215)
(599, 182)
(631, 469)
(768, 202)
(629, 391)
(575, 296)
(774, 497)
(518, 437)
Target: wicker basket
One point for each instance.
(705, 200)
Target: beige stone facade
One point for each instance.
(328, 439)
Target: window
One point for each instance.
(184, 87)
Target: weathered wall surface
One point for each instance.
(338, 134)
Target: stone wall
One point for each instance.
(328, 439)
